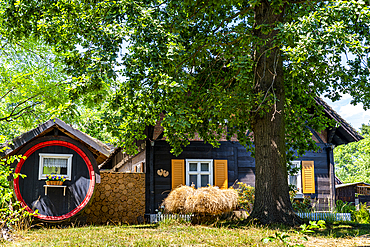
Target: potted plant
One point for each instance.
(53, 179)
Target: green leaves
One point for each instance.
(352, 160)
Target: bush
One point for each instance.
(344, 207)
(300, 206)
(362, 216)
(245, 196)
(246, 199)
(12, 215)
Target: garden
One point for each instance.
(211, 225)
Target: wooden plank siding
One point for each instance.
(55, 203)
(241, 167)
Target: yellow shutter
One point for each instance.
(308, 176)
(178, 173)
(220, 169)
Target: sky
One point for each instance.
(354, 115)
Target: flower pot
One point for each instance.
(54, 182)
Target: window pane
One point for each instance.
(55, 162)
(193, 180)
(193, 167)
(54, 170)
(204, 180)
(293, 180)
(204, 167)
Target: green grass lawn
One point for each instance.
(176, 234)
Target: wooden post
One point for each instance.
(329, 150)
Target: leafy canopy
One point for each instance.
(193, 60)
(353, 160)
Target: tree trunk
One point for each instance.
(272, 203)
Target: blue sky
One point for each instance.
(355, 115)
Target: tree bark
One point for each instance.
(272, 203)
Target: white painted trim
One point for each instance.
(297, 163)
(68, 157)
(199, 172)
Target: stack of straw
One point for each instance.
(207, 200)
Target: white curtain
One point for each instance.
(55, 162)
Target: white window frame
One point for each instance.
(199, 172)
(297, 164)
(68, 157)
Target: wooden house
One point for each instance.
(349, 192)
(201, 164)
(56, 148)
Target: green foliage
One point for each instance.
(305, 229)
(344, 207)
(300, 206)
(14, 216)
(362, 216)
(282, 237)
(313, 225)
(11, 213)
(198, 63)
(352, 161)
(245, 196)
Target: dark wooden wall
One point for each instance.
(346, 194)
(241, 167)
(54, 203)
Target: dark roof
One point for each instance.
(350, 184)
(99, 148)
(344, 133)
(337, 180)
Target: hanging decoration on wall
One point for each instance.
(163, 173)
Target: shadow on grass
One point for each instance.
(63, 225)
(332, 230)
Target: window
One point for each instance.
(138, 167)
(296, 179)
(199, 172)
(60, 164)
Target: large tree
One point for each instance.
(215, 68)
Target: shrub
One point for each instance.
(12, 215)
(344, 207)
(245, 196)
(300, 206)
(362, 216)
(246, 199)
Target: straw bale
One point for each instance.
(211, 200)
(232, 198)
(175, 201)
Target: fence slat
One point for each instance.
(326, 216)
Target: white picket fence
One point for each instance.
(326, 216)
(155, 218)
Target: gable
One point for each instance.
(57, 127)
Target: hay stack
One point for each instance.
(175, 201)
(211, 200)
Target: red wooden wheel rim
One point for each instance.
(89, 192)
